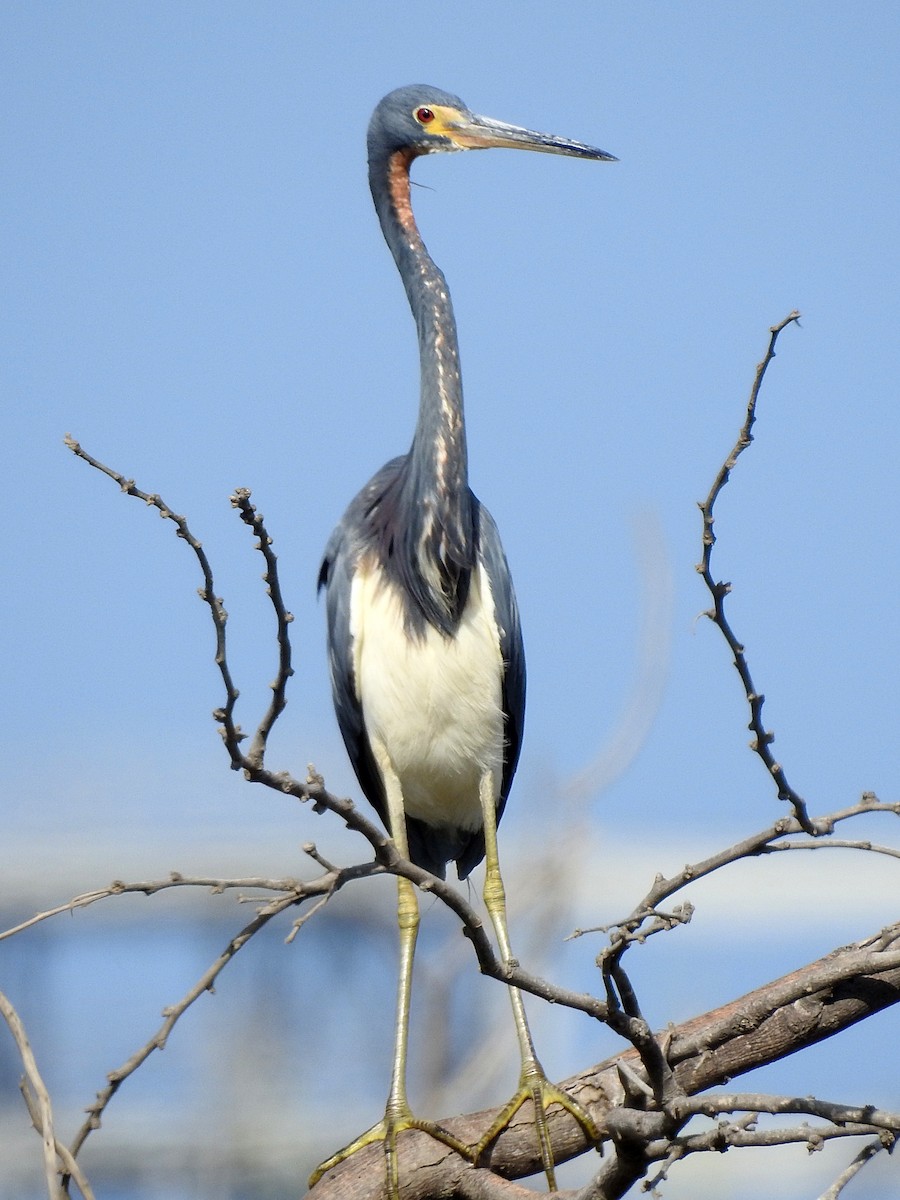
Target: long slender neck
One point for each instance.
(435, 475)
(440, 438)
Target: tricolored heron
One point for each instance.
(427, 664)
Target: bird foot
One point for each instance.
(536, 1087)
(387, 1131)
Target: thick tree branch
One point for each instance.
(770, 1023)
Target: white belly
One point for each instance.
(433, 702)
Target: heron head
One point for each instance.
(422, 120)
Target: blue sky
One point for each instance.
(197, 289)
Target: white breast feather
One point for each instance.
(433, 702)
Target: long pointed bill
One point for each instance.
(472, 132)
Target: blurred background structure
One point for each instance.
(196, 289)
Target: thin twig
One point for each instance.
(835, 844)
(760, 1102)
(733, 1136)
(151, 887)
(763, 737)
(866, 1154)
(173, 1013)
(231, 732)
(631, 928)
(249, 515)
(717, 1140)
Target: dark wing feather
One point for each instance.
(430, 847)
(336, 576)
(506, 612)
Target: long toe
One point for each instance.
(536, 1087)
(387, 1131)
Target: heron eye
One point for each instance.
(424, 116)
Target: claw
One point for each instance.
(536, 1087)
(387, 1131)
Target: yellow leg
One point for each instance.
(533, 1083)
(398, 1116)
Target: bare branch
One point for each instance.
(241, 501)
(37, 1098)
(866, 1154)
(674, 1150)
(207, 593)
(69, 1166)
(756, 1102)
(175, 880)
(836, 844)
(173, 1013)
(763, 738)
(630, 929)
(736, 1135)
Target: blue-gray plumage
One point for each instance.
(425, 647)
(370, 527)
